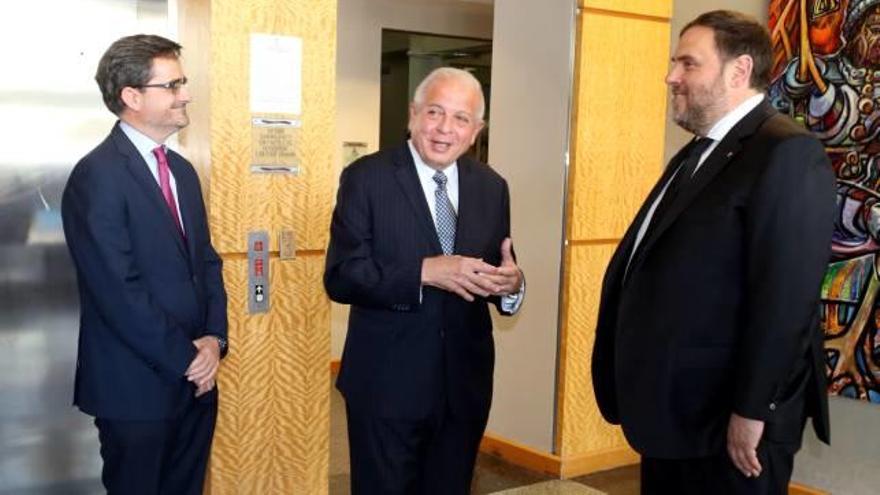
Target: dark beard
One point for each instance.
(693, 120)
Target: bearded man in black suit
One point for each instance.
(708, 350)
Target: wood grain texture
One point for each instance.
(654, 8)
(583, 430)
(619, 121)
(274, 420)
(241, 201)
(272, 433)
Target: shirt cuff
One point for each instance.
(512, 302)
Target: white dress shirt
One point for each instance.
(510, 303)
(716, 134)
(145, 147)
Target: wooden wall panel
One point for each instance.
(657, 8)
(619, 121)
(584, 430)
(241, 201)
(272, 433)
(273, 424)
(618, 124)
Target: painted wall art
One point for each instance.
(826, 75)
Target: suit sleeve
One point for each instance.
(789, 220)
(95, 224)
(508, 305)
(216, 322)
(353, 274)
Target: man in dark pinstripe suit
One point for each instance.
(419, 247)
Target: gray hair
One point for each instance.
(447, 73)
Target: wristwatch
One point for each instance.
(224, 345)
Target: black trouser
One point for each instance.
(717, 475)
(409, 457)
(157, 457)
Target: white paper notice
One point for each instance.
(276, 74)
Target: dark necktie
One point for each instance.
(682, 177)
(445, 214)
(165, 185)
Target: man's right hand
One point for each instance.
(459, 274)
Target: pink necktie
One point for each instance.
(165, 185)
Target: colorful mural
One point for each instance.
(827, 76)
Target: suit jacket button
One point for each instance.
(195, 279)
(442, 333)
(772, 406)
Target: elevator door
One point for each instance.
(51, 114)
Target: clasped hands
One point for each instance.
(470, 277)
(202, 371)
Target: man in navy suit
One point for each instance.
(419, 247)
(153, 307)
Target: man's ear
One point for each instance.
(741, 71)
(413, 112)
(480, 126)
(132, 98)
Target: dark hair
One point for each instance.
(128, 62)
(739, 34)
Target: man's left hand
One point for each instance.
(508, 277)
(204, 389)
(203, 369)
(743, 435)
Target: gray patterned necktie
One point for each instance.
(445, 221)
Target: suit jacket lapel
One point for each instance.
(138, 168)
(468, 219)
(408, 179)
(717, 161)
(622, 253)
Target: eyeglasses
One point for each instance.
(174, 85)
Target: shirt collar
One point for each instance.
(144, 144)
(723, 126)
(426, 171)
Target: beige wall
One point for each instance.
(528, 143)
(359, 54)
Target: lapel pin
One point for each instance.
(729, 154)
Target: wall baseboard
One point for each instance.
(520, 455)
(598, 461)
(571, 467)
(799, 489)
(535, 460)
